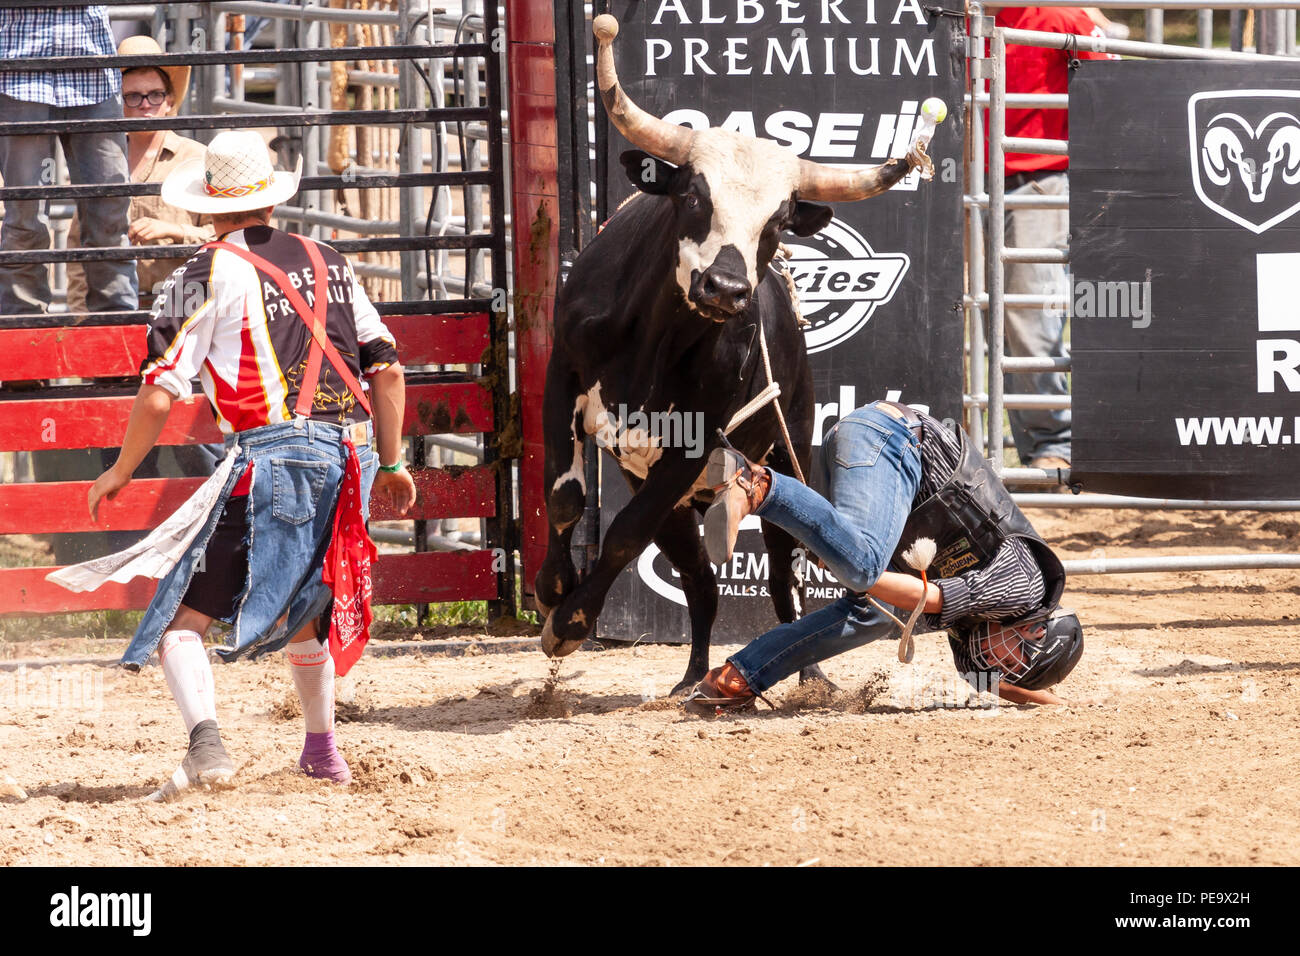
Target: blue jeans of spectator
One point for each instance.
(1038, 332)
(93, 158)
(873, 468)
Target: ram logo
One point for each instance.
(1245, 147)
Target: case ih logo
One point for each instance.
(1246, 154)
(840, 282)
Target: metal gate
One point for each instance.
(64, 374)
(986, 261)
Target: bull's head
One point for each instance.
(733, 194)
(1232, 145)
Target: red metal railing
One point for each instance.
(43, 422)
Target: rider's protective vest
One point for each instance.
(969, 518)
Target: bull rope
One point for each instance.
(771, 392)
(776, 406)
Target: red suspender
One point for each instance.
(313, 318)
(307, 389)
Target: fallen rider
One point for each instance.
(897, 477)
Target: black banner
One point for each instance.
(149, 908)
(1185, 259)
(837, 83)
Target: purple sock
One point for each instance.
(321, 760)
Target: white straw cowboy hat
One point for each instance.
(235, 175)
(177, 76)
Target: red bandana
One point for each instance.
(347, 572)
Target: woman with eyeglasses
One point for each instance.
(147, 91)
(151, 154)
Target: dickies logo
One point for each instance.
(841, 281)
(1245, 154)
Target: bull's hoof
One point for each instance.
(552, 646)
(543, 610)
(814, 673)
(686, 685)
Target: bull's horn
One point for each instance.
(828, 184)
(665, 140)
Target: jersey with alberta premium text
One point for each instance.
(227, 322)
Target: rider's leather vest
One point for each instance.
(969, 518)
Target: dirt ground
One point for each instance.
(1179, 747)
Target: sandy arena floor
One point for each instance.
(1180, 748)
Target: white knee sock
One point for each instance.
(189, 675)
(313, 677)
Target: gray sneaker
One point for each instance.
(206, 764)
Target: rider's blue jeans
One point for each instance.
(873, 468)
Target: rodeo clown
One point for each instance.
(907, 493)
(279, 331)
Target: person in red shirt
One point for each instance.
(1042, 436)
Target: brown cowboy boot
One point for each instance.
(723, 689)
(739, 487)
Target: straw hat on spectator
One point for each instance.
(235, 175)
(177, 76)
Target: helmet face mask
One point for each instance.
(1032, 654)
(1006, 648)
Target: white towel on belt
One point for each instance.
(157, 554)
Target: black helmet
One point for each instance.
(1032, 653)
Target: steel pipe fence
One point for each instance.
(437, 82)
(406, 51)
(1093, 502)
(988, 253)
(1219, 562)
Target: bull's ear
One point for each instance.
(650, 174)
(809, 217)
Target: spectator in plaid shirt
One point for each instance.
(28, 160)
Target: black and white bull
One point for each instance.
(661, 314)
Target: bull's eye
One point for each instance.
(692, 201)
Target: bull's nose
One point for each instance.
(720, 290)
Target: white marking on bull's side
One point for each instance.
(748, 180)
(577, 470)
(635, 450)
(599, 423)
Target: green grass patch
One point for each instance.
(97, 625)
(454, 613)
(451, 614)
